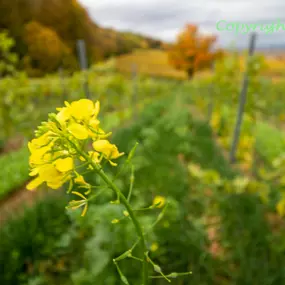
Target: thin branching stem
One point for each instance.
(128, 207)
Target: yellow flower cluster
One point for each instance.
(61, 140)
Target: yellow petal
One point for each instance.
(63, 115)
(34, 172)
(80, 180)
(40, 155)
(57, 181)
(94, 123)
(64, 164)
(34, 183)
(97, 108)
(102, 146)
(55, 184)
(42, 140)
(31, 147)
(81, 109)
(48, 173)
(78, 131)
(281, 207)
(116, 153)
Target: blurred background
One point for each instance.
(207, 108)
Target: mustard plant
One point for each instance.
(70, 145)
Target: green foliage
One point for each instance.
(237, 212)
(29, 238)
(46, 51)
(8, 59)
(2, 144)
(14, 172)
(168, 141)
(256, 252)
(270, 141)
(226, 80)
(169, 138)
(25, 103)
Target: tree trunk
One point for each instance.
(190, 73)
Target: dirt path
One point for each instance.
(15, 203)
(13, 144)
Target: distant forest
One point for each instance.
(45, 34)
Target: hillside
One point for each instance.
(46, 32)
(155, 62)
(149, 61)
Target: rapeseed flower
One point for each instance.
(58, 147)
(108, 150)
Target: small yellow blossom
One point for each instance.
(159, 201)
(126, 213)
(75, 204)
(280, 207)
(154, 246)
(110, 151)
(81, 181)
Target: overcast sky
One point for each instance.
(164, 18)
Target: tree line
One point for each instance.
(45, 33)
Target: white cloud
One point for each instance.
(164, 18)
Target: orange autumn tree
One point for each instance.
(192, 51)
(45, 50)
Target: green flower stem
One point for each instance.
(131, 183)
(127, 205)
(134, 220)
